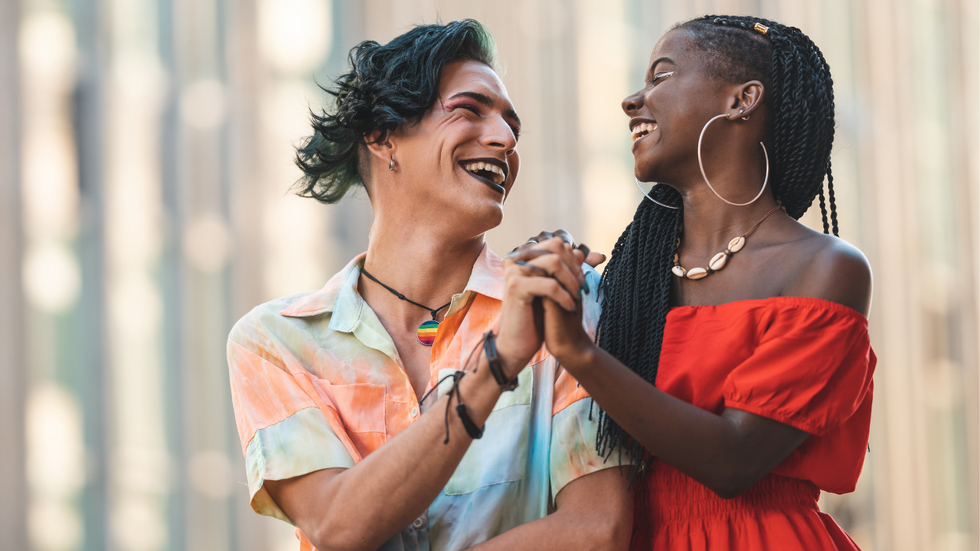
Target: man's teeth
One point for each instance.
(643, 129)
(498, 173)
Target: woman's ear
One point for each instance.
(746, 99)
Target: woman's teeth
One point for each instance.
(643, 129)
(496, 173)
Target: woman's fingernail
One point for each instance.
(520, 262)
(585, 286)
(514, 254)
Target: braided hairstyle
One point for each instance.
(799, 131)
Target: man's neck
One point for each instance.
(418, 263)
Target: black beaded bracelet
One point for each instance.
(493, 360)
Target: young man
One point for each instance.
(328, 387)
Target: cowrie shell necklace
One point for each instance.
(718, 261)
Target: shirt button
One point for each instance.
(415, 412)
(418, 523)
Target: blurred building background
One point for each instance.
(145, 161)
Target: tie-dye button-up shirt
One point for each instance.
(317, 383)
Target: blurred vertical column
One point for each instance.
(141, 465)
(924, 320)
(539, 48)
(62, 336)
(611, 66)
(963, 40)
(248, 531)
(12, 360)
(198, 250)
(949, 331)
(543, 65)
(352, 219)
(295, 37)
(90, 358)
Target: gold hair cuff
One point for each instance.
(761, 28)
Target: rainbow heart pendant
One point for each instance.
(427, 332)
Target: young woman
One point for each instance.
(732, 358)
(329, 386)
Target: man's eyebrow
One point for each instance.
(482, 99)
(487, 101)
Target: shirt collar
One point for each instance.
(339, 289)
(340, 295)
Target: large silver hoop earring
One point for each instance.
(639, 185)
(705, 176)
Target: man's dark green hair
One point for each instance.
(387, 85)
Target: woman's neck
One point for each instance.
(710, 223)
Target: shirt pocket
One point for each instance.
(361, 407)
(501, 455)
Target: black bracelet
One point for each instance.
(493, 360)
(474, 431)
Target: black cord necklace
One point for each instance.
(427, 331)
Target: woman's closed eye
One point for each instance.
(659, 77)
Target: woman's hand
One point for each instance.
(591, 258)
(563, 331)
(548, 270)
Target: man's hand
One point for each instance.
(551, 269)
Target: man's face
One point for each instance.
(460, 158)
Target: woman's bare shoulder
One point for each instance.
(835, 270)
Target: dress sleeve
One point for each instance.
(811, 369)
(283, 429)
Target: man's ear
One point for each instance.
(746, 98)
(383, 150)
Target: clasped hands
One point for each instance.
(544, 286)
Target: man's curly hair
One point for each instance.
(387, 85)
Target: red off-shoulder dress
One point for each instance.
(800, 361)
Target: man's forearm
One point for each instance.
(364, 506)
(594, 512)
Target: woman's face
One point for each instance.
(667, 115)
(460, 160)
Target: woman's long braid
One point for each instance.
(833, 203)
(799, 134)
(636, 287)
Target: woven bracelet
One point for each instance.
(474, 431)
(493, 360)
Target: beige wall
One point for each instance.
(151, 211)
